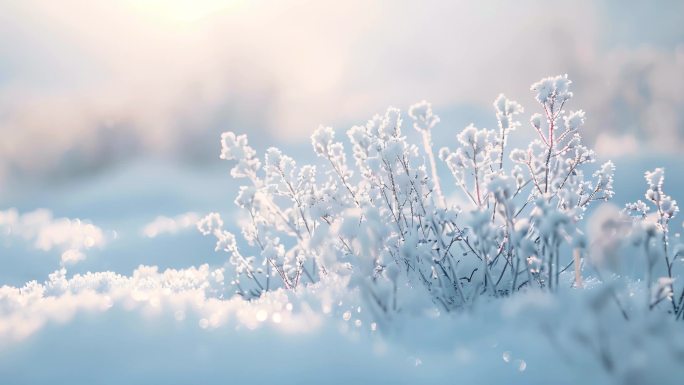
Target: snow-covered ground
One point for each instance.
(169, 327)
(151, 325)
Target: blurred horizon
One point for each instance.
(89, 87)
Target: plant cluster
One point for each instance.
(387, 223)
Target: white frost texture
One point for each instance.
(70, 236)
(163, 225)
(384, 261)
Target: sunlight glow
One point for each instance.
(184, 11)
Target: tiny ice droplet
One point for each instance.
(358, 309)
(358, 323)
(204, 323)
(277, 318)
(346, 316)
(522, 365)
(374, 326)
(288, 306)
(506, 356)
(261, 315)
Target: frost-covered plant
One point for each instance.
(384, 221)
(652, 230)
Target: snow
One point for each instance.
(163, 225)
(319, 277)
(285, 337)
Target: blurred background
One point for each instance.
(111, 111)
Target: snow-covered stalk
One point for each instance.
(423, 121)
(666, 208)
(577, 260)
